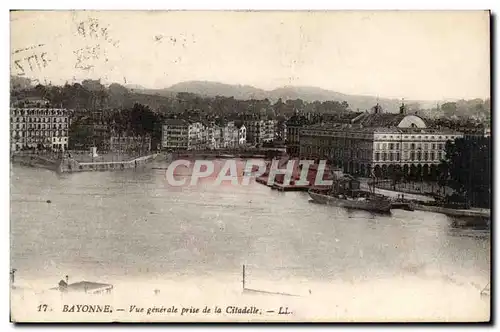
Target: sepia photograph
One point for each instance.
(250, 166)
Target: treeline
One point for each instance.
(458, 124)
(138, 121)
(467, 108)
(92, 95)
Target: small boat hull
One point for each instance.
(382, 206)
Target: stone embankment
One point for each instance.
(34, 160)
(69, 165)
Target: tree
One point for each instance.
(468, 162)
(396, 175)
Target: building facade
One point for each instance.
(175, 134)
(39, 128)
(405, 143)
(293, 127)
(230, 135)
(260, 131)
(242, 135)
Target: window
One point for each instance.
(426, 155)
(412, 155)
(391, 146)
(433, 156)
(383, 156)
(390, 156)
(397, 146)
(397, 156)
(412, 147)
(433, 147)
(419, 155)
(405, 145)
(426, 146)
(384, 146)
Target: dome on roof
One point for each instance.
(412, 121)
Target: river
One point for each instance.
(133, 230)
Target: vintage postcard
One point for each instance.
(250, 166)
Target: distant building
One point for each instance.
(92, 130)
(242, 135)
(129, 143)
(39, 127)
(260, 131)
(476, 133)
(178, 134)
(293, 127)
(280, 130)
(175, 134)
(213, 132)
(230, 135)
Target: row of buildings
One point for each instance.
(180, 134)
(36, 125)
(183, 134)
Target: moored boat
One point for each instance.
(346, 193)
(369, 203)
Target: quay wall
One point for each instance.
(483, 213)
(69, 165)
(33, 160)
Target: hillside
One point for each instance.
(91, 94)
(212, 89)
(309, 94)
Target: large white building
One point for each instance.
(377, 142)
(39, 127)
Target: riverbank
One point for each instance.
(258, 153)
(473, 212)
(419, 188)
(70, 165)
(36, 161)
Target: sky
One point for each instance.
(421, 55)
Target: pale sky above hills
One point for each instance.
(413, 55)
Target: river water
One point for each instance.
(135, 231)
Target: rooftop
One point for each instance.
(175, 122)
(361, 129)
